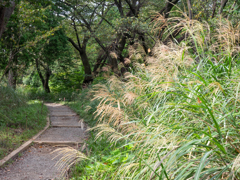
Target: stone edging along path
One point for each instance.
(37, 161)
(23, 147)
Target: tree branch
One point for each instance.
(223, 4)
(189, 9)
(214, 8)
(75, 29)
(74, 44)
(133, 10)
(119, 6)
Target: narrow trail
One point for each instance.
(37, 163)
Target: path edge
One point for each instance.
(23, 146)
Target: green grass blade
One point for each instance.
(202, 165)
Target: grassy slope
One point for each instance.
(20, 120)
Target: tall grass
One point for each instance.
(178, 117)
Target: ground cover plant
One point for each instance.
(173, 118)
(20, 119)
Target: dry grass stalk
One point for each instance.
(69, 156)
(113, 55)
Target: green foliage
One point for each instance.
(32, 79)
(67, 81)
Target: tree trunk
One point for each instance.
(81, 48)
(82, 52)
(5, 13)
(12, 78)
(114, 64)
(214, 8)
(189, 9)
(47, 77)
(102, 57)
(87, 68)
(8, 65)
(223, 4)
(142, 39)
(15, 76)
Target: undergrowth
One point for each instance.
(64, 95)
(175, 118)
(20, 119)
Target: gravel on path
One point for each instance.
(62, 134)
(37, 163)
(65, 121)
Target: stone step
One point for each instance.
(60, 109)
(62, 114)
(66, 122)
(56, 135)
(58, 143)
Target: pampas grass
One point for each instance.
(172, 112)
(180, 112)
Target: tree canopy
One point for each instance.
(93, 34)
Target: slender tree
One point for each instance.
(6, 10)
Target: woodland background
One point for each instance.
(158, 82)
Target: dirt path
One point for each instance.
(37, 163)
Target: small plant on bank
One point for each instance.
(20, 119)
